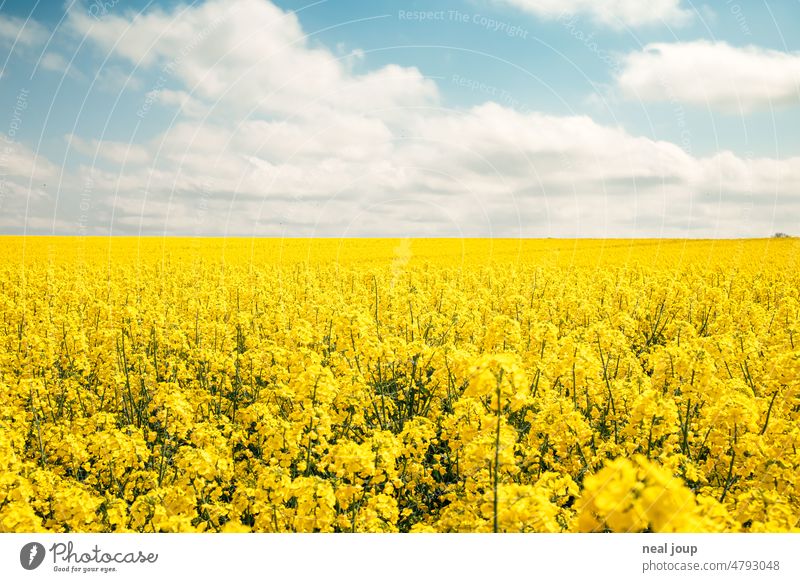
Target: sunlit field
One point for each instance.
(175, 385)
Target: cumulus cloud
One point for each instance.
(21, 163)
(188, 105)
(119, 153)
(485, 171)
(713, 74)
(613, 13)
(57, 63)
(54, 62)
(250, 54)
(27, 182)
(17, 33)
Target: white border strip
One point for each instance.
(403, 557)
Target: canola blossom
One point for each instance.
(183, 385)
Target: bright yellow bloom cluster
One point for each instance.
(380, 386)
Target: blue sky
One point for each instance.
(404, 118)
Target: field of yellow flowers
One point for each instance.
(176, 385)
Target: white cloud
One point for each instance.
(113, 151)
(54, 62)
(20, 163)
(250, 54)
(19, 33)
(57, 63)
(486, 171)
(713, 74)
(187, 104)
(27, 180)
(614, 13)
(112, 79)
